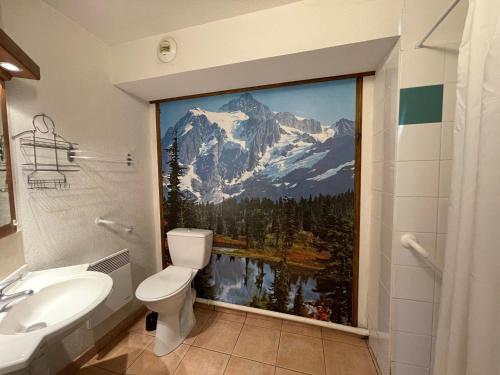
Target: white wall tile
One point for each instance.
(408, 257)
(378, 147)
(387, 209)
(411, 349)
(447, 140)
(416, 214)
(435, 318)
(442, 226)
(404, 369)
(412, 316)
(386, 237)
(417, 178)
(437, 289)
(449, 101)
(419, 142)
(450, 64)
(389, 144)
(413, 283)
(422, 67)
(444, 178)
(377, 175)
(440, 250)
(385, 272)
(389, 170)
(384, 304)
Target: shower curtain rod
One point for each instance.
(453, 4)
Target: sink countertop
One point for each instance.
(23, 346)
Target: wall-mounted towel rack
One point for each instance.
(409, 241)
(90, 155)
(45, 154)
(102, 221)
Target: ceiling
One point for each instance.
(118, 21)
(350, 58)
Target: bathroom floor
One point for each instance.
(235, 343)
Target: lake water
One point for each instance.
(237, 279)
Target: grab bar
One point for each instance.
(409, 241)
(100, 220)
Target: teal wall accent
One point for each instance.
(420, 105)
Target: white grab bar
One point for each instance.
(100, 220)
(409, 241)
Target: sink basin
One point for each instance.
(63, 299)
(56, 304)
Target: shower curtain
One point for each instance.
(468, 337)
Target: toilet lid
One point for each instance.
(164, 283)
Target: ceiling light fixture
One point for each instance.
(10, 67)
(167, 49)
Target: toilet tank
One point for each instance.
(189, 247)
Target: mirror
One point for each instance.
(7, 211)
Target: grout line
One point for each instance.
(324, 355)
(238, 338)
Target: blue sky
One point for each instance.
(324, 101)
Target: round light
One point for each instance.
(10, 67)
(167, 49)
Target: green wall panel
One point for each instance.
(420, 105)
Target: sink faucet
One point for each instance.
(6, 299)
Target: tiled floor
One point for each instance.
(235, 343)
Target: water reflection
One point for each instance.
(273, 286)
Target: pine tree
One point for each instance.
(276, 227)
(175, 196)
(289, 224)
(298, 302)
(280, 288)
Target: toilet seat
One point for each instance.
(165, 283)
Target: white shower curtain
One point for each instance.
(468, 338)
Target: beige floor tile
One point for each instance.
(301, 329)
(334, 335)
(241, 366)
(202, 317)
(231, 317)
(93, 370)
(140, 326)
(263, 321)
(257, 343)
(284, 371)
(120, 354)
(345, 359)
(149, 363)
(198, 361)
(301, 353)
(219, 335)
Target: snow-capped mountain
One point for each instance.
(246, 150)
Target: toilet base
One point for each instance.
(172, 329)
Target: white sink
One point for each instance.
(63, 298)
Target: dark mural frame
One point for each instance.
(357, 166)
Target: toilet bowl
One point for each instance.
(169, 292)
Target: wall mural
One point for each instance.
(271, 171)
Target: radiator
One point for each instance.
(117, 266)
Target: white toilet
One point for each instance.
(169, 292)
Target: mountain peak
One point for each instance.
(247, 104)
(344, 127)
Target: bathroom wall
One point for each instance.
(418, 177)
(293, 28)
(58, 226)
(11, 248)
(383, 134)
